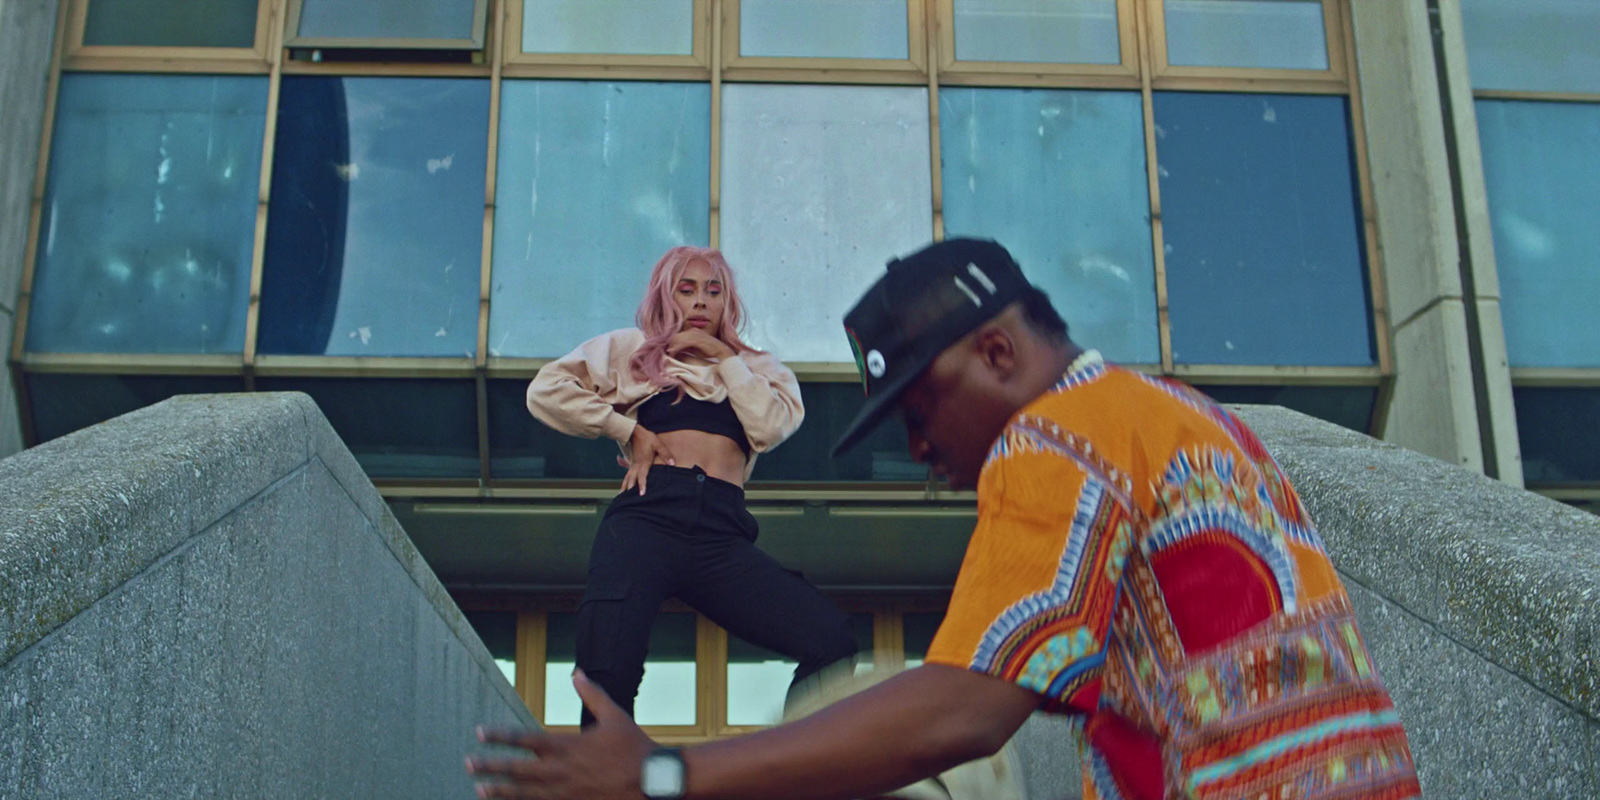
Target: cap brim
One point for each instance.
(878, 406)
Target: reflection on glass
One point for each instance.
(375, 232)
(1541, 167)
(398, 428)
(63, 403)
(596, 181)
(1059, 178)
(637, 27)
(1266, 34)
(149, 215)
(1040, 31)
(823, 29)
(918, 631)
(821, 186)
(498, 630)
(1350, 406)
(389, 19)
(1263, 242)
(884, 455)
(1560, 442)
(667, 695)
(1533, 45)
(523, 447)
(758, 678)
(171, 23)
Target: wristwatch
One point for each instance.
(663, 775)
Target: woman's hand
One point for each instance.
(648, 449)
(694, 340)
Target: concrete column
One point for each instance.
(27, 34)
(1439, 392)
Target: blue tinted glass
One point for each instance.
(595, 182)
(830, 407)
(1533, 45)
(398, 428)
(523, 447)
(149, 215)
(1541, 165)
(1558, 434)
(63, 403)
(1350, 406)
(1059, 178)
(1263, 241)
(375, 231)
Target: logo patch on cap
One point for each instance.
(875, 364)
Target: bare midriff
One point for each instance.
(718, 455)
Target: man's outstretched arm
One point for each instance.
(914, 725)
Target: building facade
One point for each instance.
(1378, 212)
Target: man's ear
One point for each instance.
(997, 349)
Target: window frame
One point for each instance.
(477, 42)
(1333, 33)
(787, 69)
(698, 62)
(954, 71)
(79, 56)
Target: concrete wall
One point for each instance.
(27, 31)
(207, 598)
(1478, 601)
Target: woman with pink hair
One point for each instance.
(692, 405)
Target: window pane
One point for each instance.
(375, 233)
(63, 403)
(758, 678)
(387, 19)
(398, 428)
(642, 27)
(1268, 34)
(919, 629)
(1263, 241)
(171, 23)
(1541, 167)
(830, 407)
(667, 695)
(1059, 178)
(1350, 406)
(821, 186)
(1047, 31)
(498, 630)
(149, 216)
(1558, 434)
(823, 28)
(523, 447)
(596, 182)
(1533, 45)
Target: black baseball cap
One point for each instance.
(925, 302)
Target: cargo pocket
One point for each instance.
(609, 641)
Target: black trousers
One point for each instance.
(691, 537)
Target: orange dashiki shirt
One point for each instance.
(1140, 560)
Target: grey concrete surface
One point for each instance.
(206, 599)
(1478, 601)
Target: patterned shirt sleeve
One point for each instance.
(1034, 600)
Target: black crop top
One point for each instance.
(660, 414)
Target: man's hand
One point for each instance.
(694, 340)
(648, 449)
(603, 763)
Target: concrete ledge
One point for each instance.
(207, 597)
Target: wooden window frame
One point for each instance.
(146, 58)
(1005, 73)
(784, 69)
(1199, 77)
(477, 42)
(697, 63)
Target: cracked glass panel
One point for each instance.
(1059, 178)
(375, 230)
(823, 29)
(148, 223)
(821, 186)
(634, 27)
(1261, 34)
(1262, 230)
(1541, 168)
(171, 23)
(596, 181)
(1038, 31)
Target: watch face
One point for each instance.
(663, 776)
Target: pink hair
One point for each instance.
(660, 317)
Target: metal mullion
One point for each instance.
(1377, 289)
(498, 17)
(711, 674)
(36, 202)
(1147, 42)
(714, 219)
(1548, 97)
(532, 653)
(252, 323)
(931, 59)
(888, 640)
